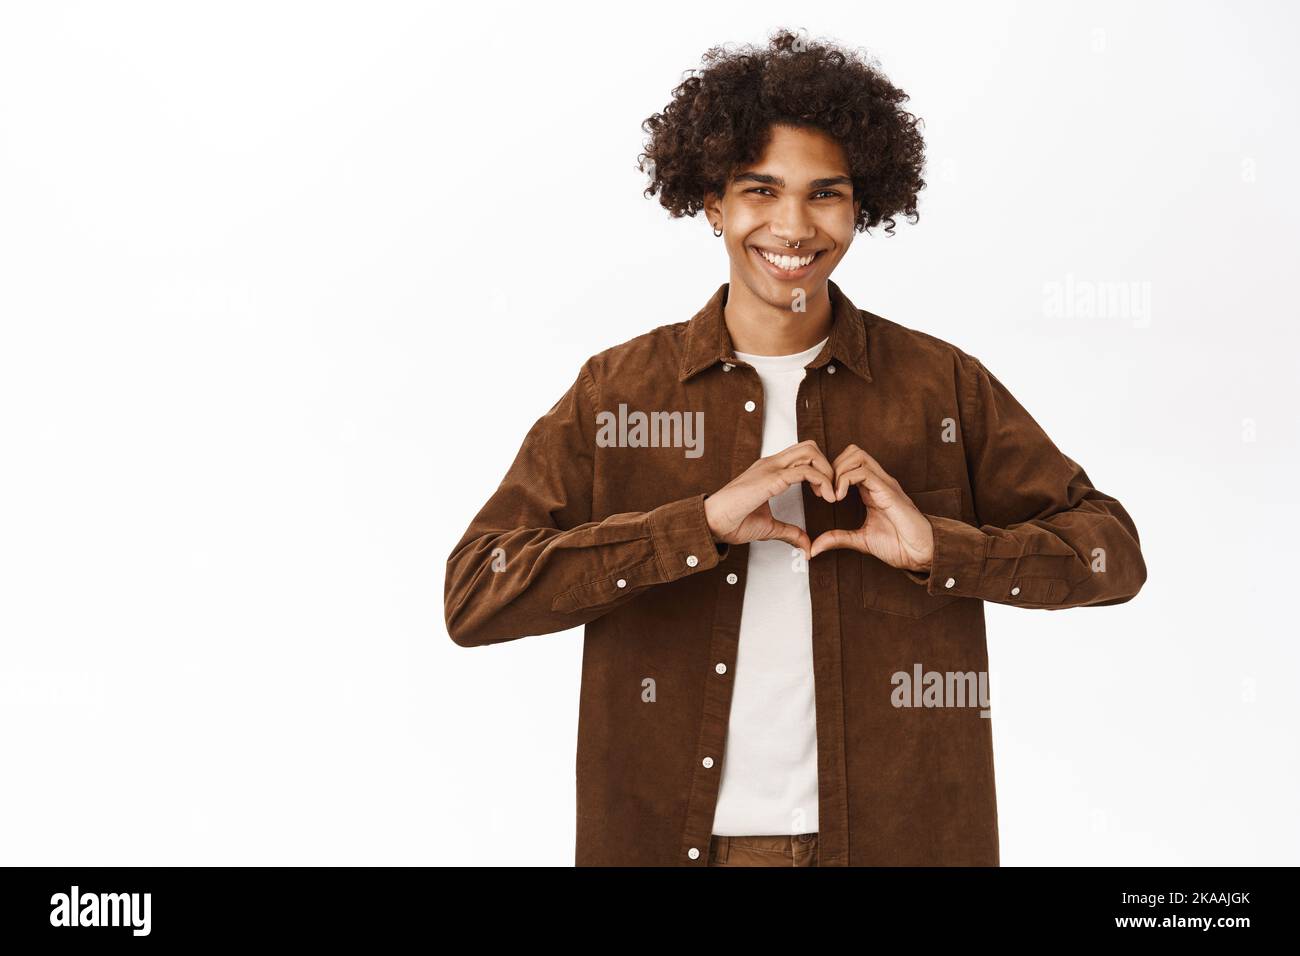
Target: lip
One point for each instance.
(782, 274)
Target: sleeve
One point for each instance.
(532, 561)
(1046, 537)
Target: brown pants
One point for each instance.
(796, 850)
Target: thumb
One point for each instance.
(829, 540)
(790, 533)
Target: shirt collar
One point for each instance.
(708, 342)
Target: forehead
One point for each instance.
(805, 148)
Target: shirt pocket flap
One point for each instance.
(889, 589)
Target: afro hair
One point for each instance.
(721, 117)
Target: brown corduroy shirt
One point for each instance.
(600, 522)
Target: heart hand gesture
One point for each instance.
(895, 531)
(740, 512)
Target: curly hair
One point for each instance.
(722, 117)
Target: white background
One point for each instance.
(283, 286)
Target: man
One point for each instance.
(780, 519)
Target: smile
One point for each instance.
(787, 266)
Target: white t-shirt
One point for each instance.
(769, 768)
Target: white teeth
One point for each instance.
(788, 263)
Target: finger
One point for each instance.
(865, 476)
(821, 483)
(844, 469)
(806, 452)
(845, 456)
(850, 458)
(874, 489)
(818, 460)
(796, 452)
(879, 469)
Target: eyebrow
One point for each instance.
(767, 180)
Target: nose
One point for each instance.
(791, 239)
(791, 224)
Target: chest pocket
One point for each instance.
(889, 589)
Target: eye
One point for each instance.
(757, 189)
(826, 192)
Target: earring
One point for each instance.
(717, 231)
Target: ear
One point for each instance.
(712, 206)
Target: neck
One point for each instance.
(760, 328)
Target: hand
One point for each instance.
(895, 531)
(740, 512)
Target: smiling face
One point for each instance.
(798, 190)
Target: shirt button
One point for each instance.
(720, 667)
(750, 406)
(707, 761)
(830, 369)
(727, 366)
(692, 560)
(622, 583)
(1015, 590)
(732, 579)
(693, 853)
(949, 583)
